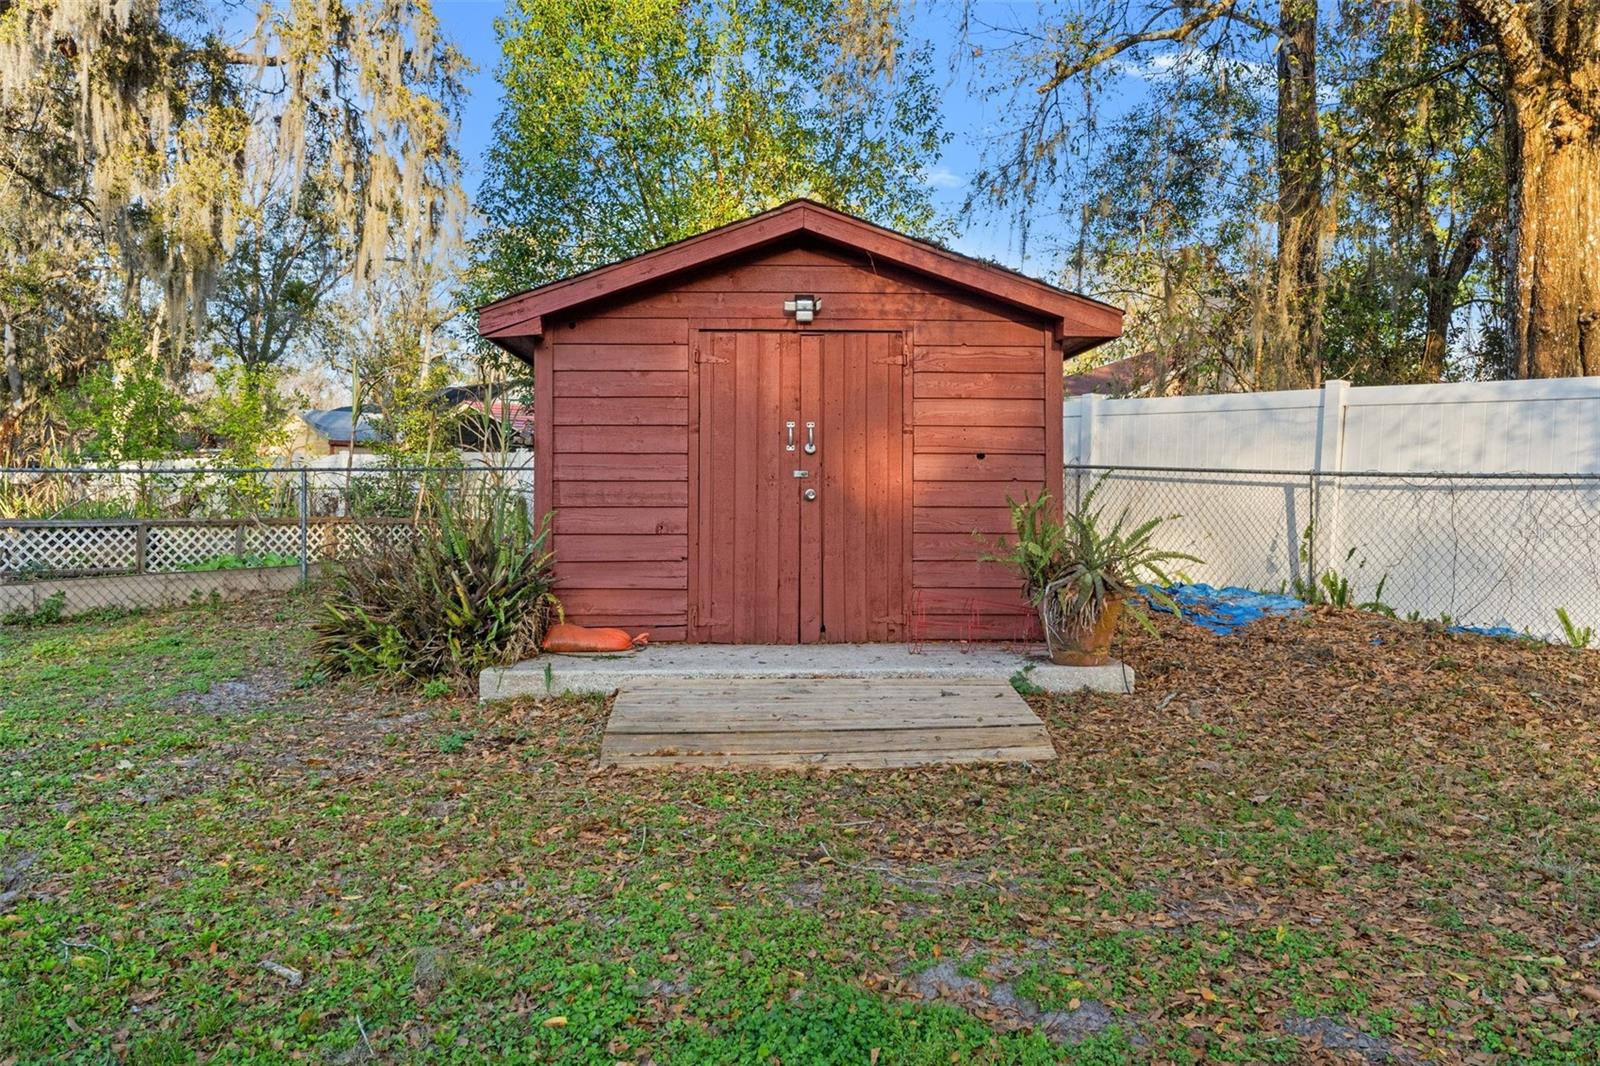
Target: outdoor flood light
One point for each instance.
(803, 308)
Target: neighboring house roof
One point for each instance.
(519, 415)
(334, 424)
(1081, 322)
(1113, 379)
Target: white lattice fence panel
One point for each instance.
(172, 548)
(344, 539)
(281, 540)
(66, 549)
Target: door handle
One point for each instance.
(809, 494)
(789, 447)
(811, 438)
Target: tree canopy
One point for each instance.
(627, 125)
(143, 133)
(1318, 191)
(199, 200)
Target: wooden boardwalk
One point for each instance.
(826, 722)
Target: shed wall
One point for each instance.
(618, 424)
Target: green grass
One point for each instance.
(1405, 844)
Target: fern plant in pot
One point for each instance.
(1083, 571)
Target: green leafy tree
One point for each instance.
(1228, 56)
(1419, 193)
(245, 414)
(628, 125)
(274, 295)
(142, 128)
(1174, 230)
(127, 407)
(1300, 191)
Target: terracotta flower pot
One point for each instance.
(1089, 646)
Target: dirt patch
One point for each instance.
(241, 696)
(803, 893)
(14, 879)
(430, 972)
(1336, 1035)
(1212, 909)
(667, 989)
(926, 878)
(999, 1003)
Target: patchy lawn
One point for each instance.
(1328, 836)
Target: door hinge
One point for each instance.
(701, 357)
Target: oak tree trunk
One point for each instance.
(1551, 53)
(1554, 171)
(1442, 285)
(1299, 162)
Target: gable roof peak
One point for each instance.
(519, 318)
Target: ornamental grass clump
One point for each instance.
(467, 588)
(1077, 568)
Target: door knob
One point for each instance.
(809, 494)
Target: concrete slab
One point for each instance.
(555, 674)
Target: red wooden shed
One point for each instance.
(788, 429)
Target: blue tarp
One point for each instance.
(1226, 609)
(1487, 631)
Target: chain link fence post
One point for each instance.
(1312, 531)
(305, 523)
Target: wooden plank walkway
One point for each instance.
(844, 722)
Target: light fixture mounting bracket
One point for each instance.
(803, 308)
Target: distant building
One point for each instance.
(503, 425)
(1124, 377)
(331, 431)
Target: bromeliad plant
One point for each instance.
(468, 587)
(1076, 569)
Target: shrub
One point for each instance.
(470, 588)
(247, 561)
(1072, 568)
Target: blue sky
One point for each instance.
(470, 23)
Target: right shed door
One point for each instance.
(862, 508)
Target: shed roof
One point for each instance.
(1080, 322)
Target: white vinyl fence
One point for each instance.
(1477, 501)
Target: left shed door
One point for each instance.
(747, 547)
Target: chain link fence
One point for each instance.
(84, 539)
(1476, 549)
(1483, 550)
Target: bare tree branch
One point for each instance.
(1065, 72)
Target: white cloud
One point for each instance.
(944, 178)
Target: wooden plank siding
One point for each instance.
(981, 435)
(619, 468)
(619, 430)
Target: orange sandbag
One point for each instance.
(566, 637)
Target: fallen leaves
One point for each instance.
(1396, 837)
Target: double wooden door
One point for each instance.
(802, 512)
